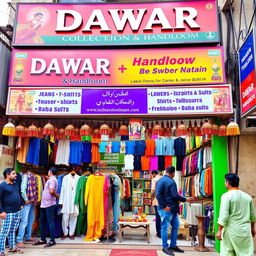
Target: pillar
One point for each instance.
(219, 168)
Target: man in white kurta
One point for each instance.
(69, 209)
(236, 220)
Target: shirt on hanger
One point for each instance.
(62, 156)
(145, 162)
(115, 146)
(68, 193)
(153, 163)
(33, 151)
(150, 147)
(102, 147)
(140, 147)
(137, 163)
(87, 154)
(76, 151)
(128, 162)
(129, 150)
(180, 146)
(161, 163)
(169, 147)
(159, 147)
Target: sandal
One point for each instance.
(50, 244)
(39, 243)
(72, 237)
(15, 250)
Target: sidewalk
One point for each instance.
(104, 251)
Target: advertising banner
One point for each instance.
(6, 159)
(213, 100)
(116, 24)
(123, 67)
(247, 75)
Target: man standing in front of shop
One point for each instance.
(236, 220)
(168, 209)
(10, 210)
(47, 208)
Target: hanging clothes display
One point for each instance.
(81, 227)
(95, 206)
(69, 209)
(63, 150)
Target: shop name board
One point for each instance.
(108, 24)
(130, 67)
(247, 75)
(210, 100)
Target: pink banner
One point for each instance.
(133, 67)
(117, 24)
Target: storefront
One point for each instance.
(124, 109)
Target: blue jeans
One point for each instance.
(168, 218)
(47, 216)
(26, 223)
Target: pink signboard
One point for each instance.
(133, 67)
(117, 24)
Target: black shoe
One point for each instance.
(176, 249)
(39, 243)
(168, 251)
(50, 244)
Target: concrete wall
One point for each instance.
(247, 166)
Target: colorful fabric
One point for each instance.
(32, 188)
(95, 207)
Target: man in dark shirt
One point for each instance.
(168, 209)
(10, 208)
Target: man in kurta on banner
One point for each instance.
(236, 220)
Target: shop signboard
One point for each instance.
(247, 75)
(6, 159)
(172, 22)
(112, 158)
(187, 100)
(119, 67)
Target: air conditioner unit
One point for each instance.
(248, 125)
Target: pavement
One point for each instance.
(102, 250)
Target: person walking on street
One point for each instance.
(236, 220)
(47, 208)
(156, 178)
(168, 209)
(10, 210)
